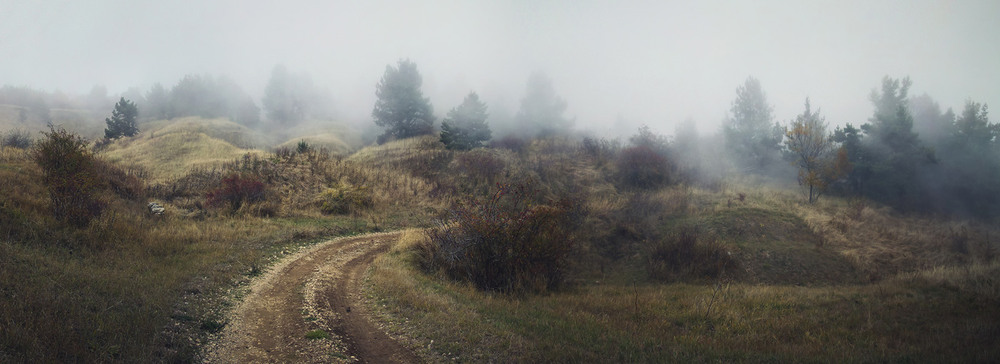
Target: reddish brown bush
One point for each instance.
(507, 243)
(237, 190)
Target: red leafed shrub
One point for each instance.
(237, 190)
(642, 167)
(507, 243)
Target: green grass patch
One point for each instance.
(317, 334)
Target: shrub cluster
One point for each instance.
(507, 243)
(345, 200)
(17, 139)
(684, 255)
(642, 167)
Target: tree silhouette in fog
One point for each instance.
(401, 107)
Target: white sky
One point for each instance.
(657, 62)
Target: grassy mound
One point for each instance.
(171, 150)
(776, 247)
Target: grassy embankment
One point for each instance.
(835, 281)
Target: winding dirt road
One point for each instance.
(315, 289)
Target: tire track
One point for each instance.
(316, 289)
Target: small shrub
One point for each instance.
(642, 167)
(345, 200)
(283, 153)
(302, 147)
(507, 243)
(601, 150)
(237, 190)
(70, 175)
(16, 139)
(684, 255)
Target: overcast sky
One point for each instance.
(657, 62)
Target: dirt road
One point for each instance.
(313, 293)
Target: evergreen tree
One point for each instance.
(401, 107)
(971, 164)
(894, 150)
(752, 138)
(157, 102)
(285, 97)
(465, 126)
(541, 109)
(122, 120)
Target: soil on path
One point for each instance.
(315, 292)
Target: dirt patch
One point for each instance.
(307, 309)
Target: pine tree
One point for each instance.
(401, 107)
(122, 120)
(541, 109)
(465, 126)
(752, 138)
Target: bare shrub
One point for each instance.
(642, 167)
(684, 255)
(235, 190)
(600, 151)
(507, 243)
(17, 139)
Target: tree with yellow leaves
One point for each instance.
(820, 162)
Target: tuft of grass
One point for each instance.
(317, 334)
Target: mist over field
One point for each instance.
(657, 63)
(513, 181)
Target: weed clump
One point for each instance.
(506, 244)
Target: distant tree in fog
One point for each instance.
(284, 97)
(818, 160)
(247, 113)
(465, 126)
(752, 138)
(933, 126)
(401, 107)
(970, 166)
(207, 97)
(895, 153)
(541, 109)
(157, 102)
(122, 120)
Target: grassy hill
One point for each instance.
(732, 271)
